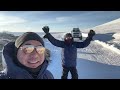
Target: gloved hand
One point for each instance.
(46, 29)
(91, 33)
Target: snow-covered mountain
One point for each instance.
(109, 27)
(108, 32)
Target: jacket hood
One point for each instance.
(11, 69)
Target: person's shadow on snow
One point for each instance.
(104, 37)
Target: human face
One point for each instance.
(31, 59)
(68, 40)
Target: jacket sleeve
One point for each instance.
(83, 44)
(54, 41)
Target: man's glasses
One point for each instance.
(30, 48)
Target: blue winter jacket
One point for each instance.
(12, 71)
(69, 53)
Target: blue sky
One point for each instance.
(58, 21)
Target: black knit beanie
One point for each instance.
(26, 37)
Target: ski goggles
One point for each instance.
(30, 48)
(68, 38)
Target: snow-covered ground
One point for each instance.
(97, 61)
(100, 60)
(108, 33)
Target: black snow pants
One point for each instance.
(72, 70)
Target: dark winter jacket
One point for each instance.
(12, 71)
(69, 53)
